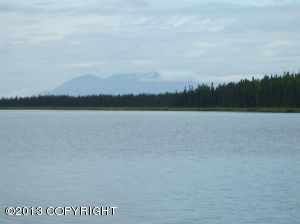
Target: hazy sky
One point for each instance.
(46, 42)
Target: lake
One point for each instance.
(155, 167)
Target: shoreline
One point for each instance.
(208, 109)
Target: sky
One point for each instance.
(44, 43)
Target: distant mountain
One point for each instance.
(118, 84)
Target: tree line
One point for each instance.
(269, 91)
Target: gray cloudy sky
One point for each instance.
(46, 42)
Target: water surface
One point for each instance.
(156, 167)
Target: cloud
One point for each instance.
(139, 3)
(182, 75)
(275, 50)
(186, 75)
(84, 65)
(45, 42)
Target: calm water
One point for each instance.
(156, 167)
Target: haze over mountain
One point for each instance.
(119, 84)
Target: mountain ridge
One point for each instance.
(124, 83)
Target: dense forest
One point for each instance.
(270, 91)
